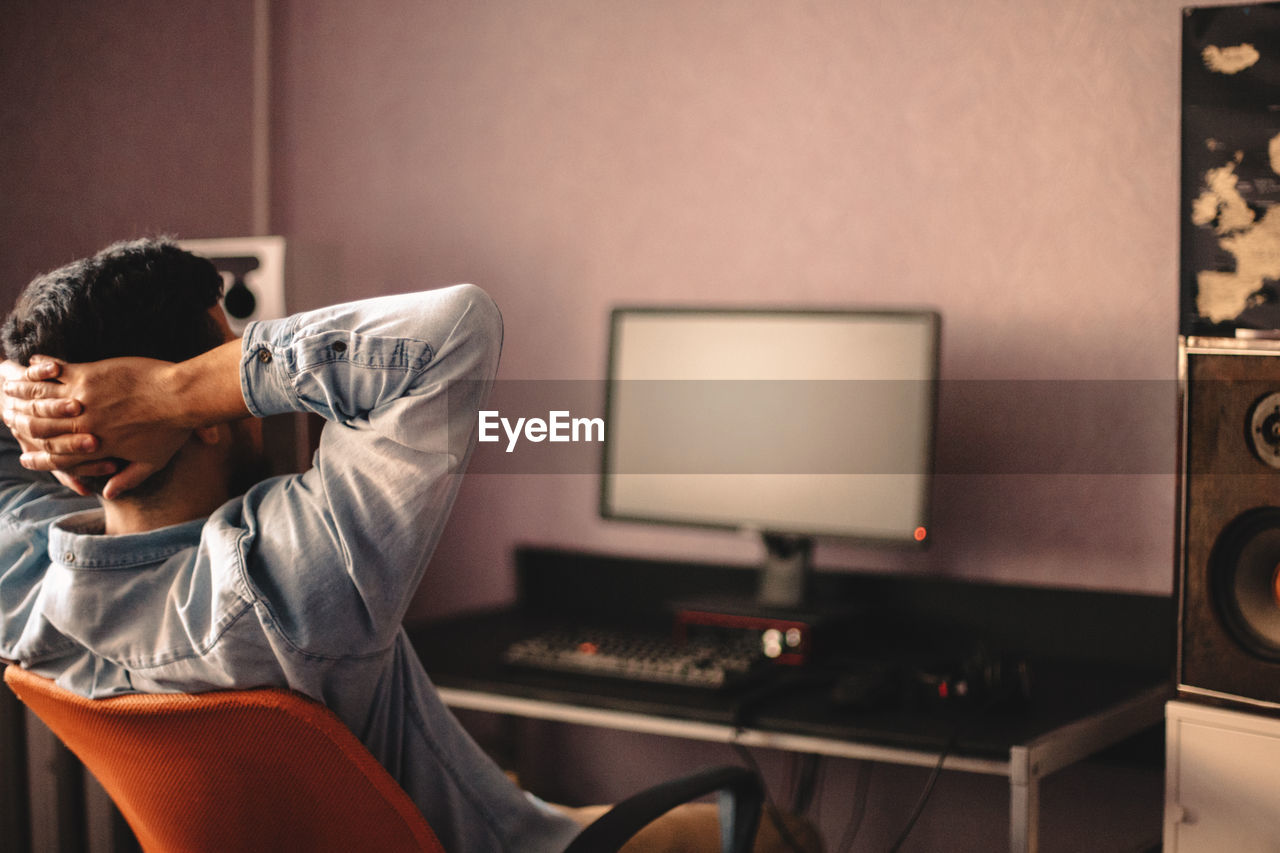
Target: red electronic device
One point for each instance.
(782, 640)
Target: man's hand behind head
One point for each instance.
(45, 426)
(99, 426)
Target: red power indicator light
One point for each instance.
(920, 534)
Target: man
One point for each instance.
(144, 567)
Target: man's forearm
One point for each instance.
(347, 361)
(205, 390)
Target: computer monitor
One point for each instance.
(792, 423)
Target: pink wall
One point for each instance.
(1014, 165)
(118, 120)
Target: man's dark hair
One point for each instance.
(140, 298)
(144, 298)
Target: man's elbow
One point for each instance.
(479, 322)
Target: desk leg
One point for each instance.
(1024, 802)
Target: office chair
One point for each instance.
(272, 770)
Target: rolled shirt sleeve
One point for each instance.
(339, 550)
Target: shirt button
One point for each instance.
(68, 557)
(339, 347)
(264, 355)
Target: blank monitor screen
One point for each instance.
(788, 422)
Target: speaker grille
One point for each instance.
(1229, 530)
(1242, 568)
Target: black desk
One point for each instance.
(1099, 663)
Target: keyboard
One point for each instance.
(701, 663)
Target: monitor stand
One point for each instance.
(786, 573)
(783, 586)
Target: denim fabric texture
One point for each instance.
(303, 581)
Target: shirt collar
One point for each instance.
(78, 542)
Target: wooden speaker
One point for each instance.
(1229, 513)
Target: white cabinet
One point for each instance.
(1222, 788)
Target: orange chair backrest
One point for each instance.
(251, 770)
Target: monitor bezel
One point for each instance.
(932, 316)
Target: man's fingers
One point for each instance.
(38, 460)
(43, 418)
(29, 390)
(41, 431)
(131, 477)
(76, 444)
(59, 454)
(61, 407)
(77, 441)
(33, 430)
(42, 367)
(96, 468)
(71, 479)
(72, 483)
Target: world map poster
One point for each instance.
(1230, 221)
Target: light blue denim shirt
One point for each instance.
(302, 582)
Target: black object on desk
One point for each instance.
(1084, 650)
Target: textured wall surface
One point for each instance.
(1012, 164)
(119, 120)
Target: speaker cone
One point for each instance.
(1244, 567)
(1264, 429)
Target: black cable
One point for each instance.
(772, 810)
(1007, 693)
(806, 777)
(928, 789)
(785, 684)
(819, 786)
